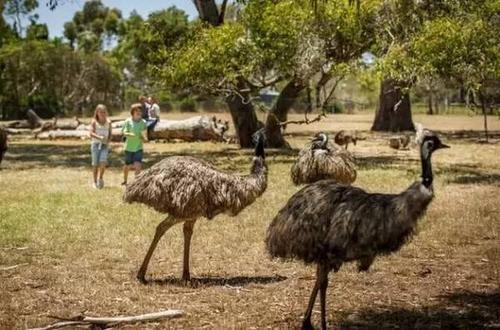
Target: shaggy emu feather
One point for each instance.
(3, 143)
(188, 188)
(321, 160)
(328, 224)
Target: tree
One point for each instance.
(17, 9)
(92, 26)
(274, 43)
(140, 42)
(462, 46)
(53, 79)
(37, 32)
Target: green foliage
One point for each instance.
(281, 38)
(142, 43)
(37, 32)
(92, 25)
(187, 104)
(53, 79)
(463, 46)
(17, 9)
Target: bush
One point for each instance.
(187, 105)
(336, 107)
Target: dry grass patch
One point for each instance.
(81, 248)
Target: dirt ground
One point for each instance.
(66, 249)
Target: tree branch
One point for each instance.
(222, 12)
(102, 322)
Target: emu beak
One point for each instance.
(444, 146)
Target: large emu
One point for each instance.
(321, 160)
(188, 188)
(328, 224)
(3, 143)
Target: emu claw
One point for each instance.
(142, 279)
(306, 325)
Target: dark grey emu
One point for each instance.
(188, 188)
(328, 224)
(3, 143)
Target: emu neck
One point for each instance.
(426, 169)
(258, 166)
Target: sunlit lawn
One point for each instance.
(77, 249)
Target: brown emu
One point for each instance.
(399, 142)
(328, 224)
(343, 138)
(188, 188)
(321, 160)
(3, 143)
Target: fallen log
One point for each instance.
(18, 131)
(199, 128)
(63, 135)
(33, 119)
(103, 322)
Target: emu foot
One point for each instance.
(141, 278)
(306, 325)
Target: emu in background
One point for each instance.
(321, 160)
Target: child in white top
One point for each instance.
(100, 132)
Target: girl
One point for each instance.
(100, 132)
(133, 130)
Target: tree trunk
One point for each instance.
(279, 113)
(394, 110)
(242, 112)
(485, 115)
(244, 119)
(198, 128)
(429, 104)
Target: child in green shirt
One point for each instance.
(134, 132)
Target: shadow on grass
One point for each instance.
(28, 156)
(219, 281)
(477, 178)
(458, 310)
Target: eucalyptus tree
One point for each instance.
(462, 47)
(281, 44)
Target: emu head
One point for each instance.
(431, 143)
(320, 141)
(259, 140)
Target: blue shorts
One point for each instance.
(133, 157)
(99, 153)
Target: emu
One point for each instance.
(321, 160)
(343, 138)
(188, 188)
(399, 142)
(3, 143)
(327, 224)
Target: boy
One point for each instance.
(133, 131)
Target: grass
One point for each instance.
(80, 248)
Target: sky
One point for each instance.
(64, 12)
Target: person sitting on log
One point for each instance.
(153, 115)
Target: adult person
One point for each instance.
(153, 115)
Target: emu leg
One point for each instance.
(306, 323)
(365, 263)
(188, 232)
(323, 279)
(160, 230)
